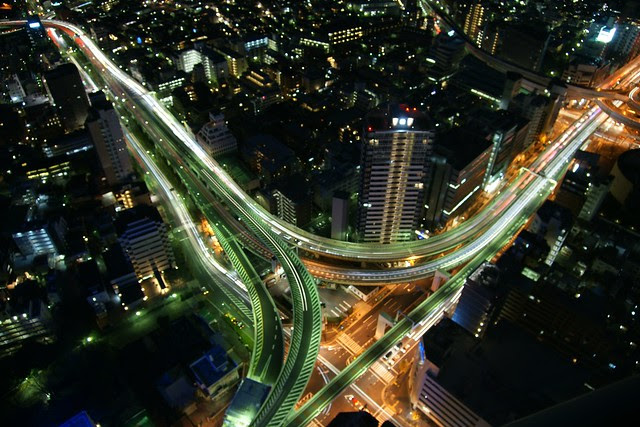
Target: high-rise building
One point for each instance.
(478, 301)
(456, 172)
(106, 134)
(536, 109)
(474, 23)
(507, 134)
(215, 136)
(143, 237)
(552, 222)
(292, 201)
(65, 88)
(427, 392)
(397, 144)
(492, 39)
(447, 53)
(339, 215)
(36, 32)
(626, 42)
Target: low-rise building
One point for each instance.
(215, 137)
(144, 239)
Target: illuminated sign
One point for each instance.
(606, 34)
(402, 121)
(34, 25)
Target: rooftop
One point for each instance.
(506, 376)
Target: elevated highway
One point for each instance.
(305, 340)
(506, 214)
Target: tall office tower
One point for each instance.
(492, 39)
(65, 87)
(143, 237)
(397, 144)
(507, 134)
(447, 53)
(339, 215)
(106, 134)
(474, 23)
(36, 32)
(626, 42)
(456, 172)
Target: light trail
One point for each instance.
(530, 194)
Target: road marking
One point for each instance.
(349, 344)
(381, 371)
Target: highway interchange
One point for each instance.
(477, 240)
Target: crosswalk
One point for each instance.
(381, 370)
(350, 344)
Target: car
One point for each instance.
(386, 356)
(399, 345)
(355, 402)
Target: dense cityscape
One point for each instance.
(319, 213)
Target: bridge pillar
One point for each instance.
(384, 322)
(439, 278)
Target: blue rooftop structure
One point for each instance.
(211, 367)
(81, 419)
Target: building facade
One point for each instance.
(108, 139)
(65, 87)
(397, 144)
(474, 23)
(215, 137)
(143, 237)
